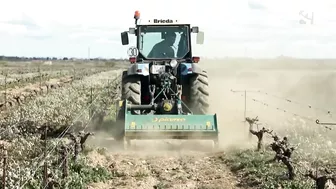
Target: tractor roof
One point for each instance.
(160, 22)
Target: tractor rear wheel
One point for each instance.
(199, 93)
(131, 89)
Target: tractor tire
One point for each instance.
(131, 89)
(199, 93)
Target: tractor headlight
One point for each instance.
(173, 63)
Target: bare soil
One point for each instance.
(164, 169)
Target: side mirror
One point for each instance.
(124, 38)
(200, 38)
(195, 29)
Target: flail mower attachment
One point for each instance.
(153, 127)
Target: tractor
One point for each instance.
(164, 91)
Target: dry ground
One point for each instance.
(162, 168)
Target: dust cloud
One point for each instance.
(283, 93)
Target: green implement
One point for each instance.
(151, 126)
(170, 126)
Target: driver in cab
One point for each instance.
(164, 48)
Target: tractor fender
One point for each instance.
(190, 68)
(138, 69)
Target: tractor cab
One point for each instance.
(162, 39)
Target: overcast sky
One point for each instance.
(253, 28)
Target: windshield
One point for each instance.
(162, 42)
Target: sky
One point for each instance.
(233, 28)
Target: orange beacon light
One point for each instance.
(136, 15)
